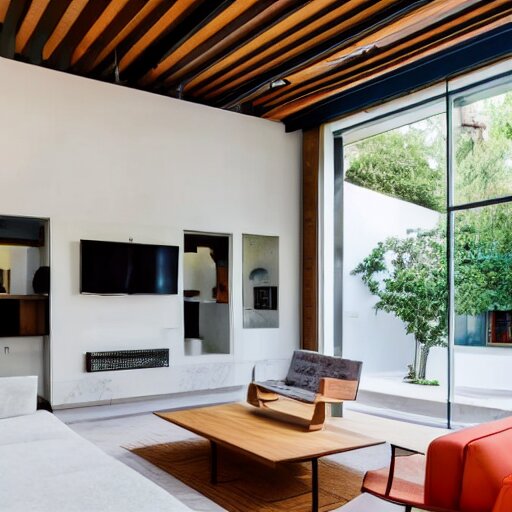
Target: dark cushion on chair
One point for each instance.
(307, 368)
(280, 387)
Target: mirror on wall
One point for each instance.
(260, 281)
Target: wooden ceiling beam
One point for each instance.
(102, 65)
(285, 27)
(486, 45)
(376, 41)
(368, 70)
(176, 11)
(296, 44)
(404, 45)
(165, 69)
(108, 34)
(192, 21)
(236, 63)
(280, 10)
(4, 6)
(30, 22)
(375, 70)
(13, 19)
(33, 49)
(326, 48)
(60, 58)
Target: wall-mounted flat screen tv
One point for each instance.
(126, 268)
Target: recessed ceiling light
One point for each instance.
(280, 82)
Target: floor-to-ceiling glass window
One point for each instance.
(427, 257)
(481, 214)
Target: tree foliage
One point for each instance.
(483, 261)
(406, 163)
(408, 276)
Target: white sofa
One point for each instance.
(46, 467)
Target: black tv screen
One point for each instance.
(128, 268)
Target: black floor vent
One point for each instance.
(127, 359)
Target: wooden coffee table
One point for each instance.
(241, 428)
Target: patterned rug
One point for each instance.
(245, 485)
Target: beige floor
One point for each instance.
(112, 435)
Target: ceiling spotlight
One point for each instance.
(280, 82)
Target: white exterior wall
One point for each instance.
(380, 339)
(107, 162)
(377, 339)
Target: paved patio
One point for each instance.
(428, 404)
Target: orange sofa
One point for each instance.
(469, 470)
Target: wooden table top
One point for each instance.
(240, 427)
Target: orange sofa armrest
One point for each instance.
(338, 389)
(504, 501)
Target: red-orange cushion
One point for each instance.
(445, 462)
(504, 501)
(488, 462)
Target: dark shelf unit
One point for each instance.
(24, 315)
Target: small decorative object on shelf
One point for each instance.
(127, 359)
(41, 280)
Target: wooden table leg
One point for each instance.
(314, 485)
(213, 462)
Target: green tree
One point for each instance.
(409, 278)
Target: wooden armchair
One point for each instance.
(312, 381)
(469, 470)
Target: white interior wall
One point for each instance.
(377, 339)
(107, 162)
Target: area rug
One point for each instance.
(245, 485)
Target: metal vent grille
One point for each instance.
(126, 359)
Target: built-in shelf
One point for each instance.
(23, 315)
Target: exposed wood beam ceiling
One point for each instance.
(233, 54)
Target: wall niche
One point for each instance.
(206, 293)
(23, 258)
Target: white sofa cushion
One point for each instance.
(18, 396)
(46, 467)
